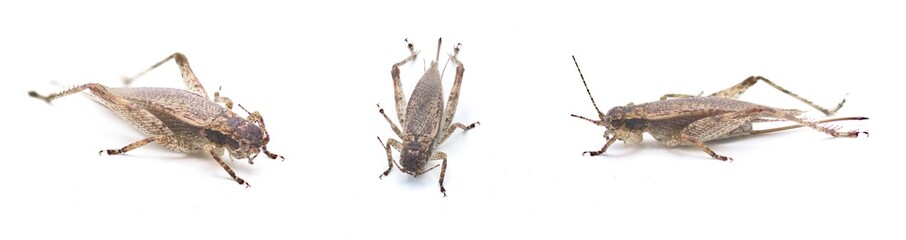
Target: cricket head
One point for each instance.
(242, 138)
(414, 155)
(621, 122)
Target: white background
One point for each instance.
(316, 72)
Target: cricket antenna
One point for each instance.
(600, 114)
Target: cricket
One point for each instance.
(684, 120)
(426, 123)
(184, 121)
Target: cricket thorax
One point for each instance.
(415, 153)
(242, 138)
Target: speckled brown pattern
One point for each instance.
(693, 120)
(181, 120)
(423, 118)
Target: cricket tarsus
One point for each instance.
(38, 96)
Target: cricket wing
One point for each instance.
(174, 106)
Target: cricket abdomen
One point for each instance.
(175, 112)
(667, 118)
(425, 106)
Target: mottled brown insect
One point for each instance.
(682, 120)
(181, 120)
(426, 123)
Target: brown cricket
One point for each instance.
(682, 120)
(181, 120)
(426, 123)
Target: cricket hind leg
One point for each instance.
(735, 91)
(162, 139)
(777, 129)
(832, 131)
(453, 100)
(95, 88)
(398, 85)
(146, 122)
(188, 76)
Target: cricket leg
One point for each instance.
(216, 153)
(777, 129)
(137, 144)
(814, 125)
(437, 155)
(398, 85)
(453, 127)
(390, 143)
(738, 89)
(188, 76)
(221, 99)
(95, 88)
(453, 99)
(705, 148)
(679, 95)
(124, 108)
(610, 141)
(396, 129)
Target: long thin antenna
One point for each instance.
(600, 114)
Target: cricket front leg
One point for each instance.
(390, 143)
(188, 76)
(398, 85)
(610, 141)
(437, 155)
(216, 153)
(138, 144)
(735, 91)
